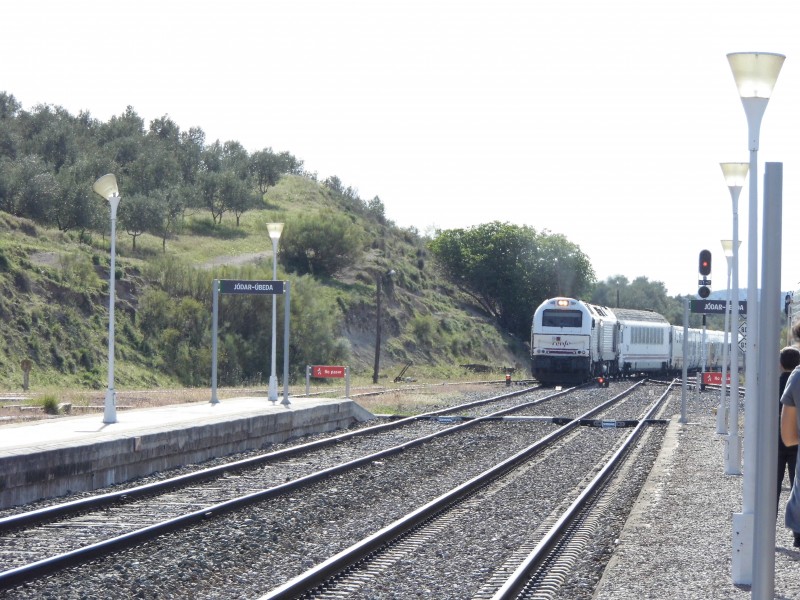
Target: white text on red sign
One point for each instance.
(327, 371)
(715, 378)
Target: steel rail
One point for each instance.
(518, 579)
(63, 509)
(52, 564)
(359, 551)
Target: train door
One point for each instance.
(600, 337)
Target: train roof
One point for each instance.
(639, 315)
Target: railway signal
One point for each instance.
(705, 262)
(705, 271)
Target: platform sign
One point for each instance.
(245, 286)
(323, 371)
(715, 307)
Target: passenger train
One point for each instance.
(573, 341)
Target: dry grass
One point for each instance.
(416, 399)
(400, 398)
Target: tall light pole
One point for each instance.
(735, 174)
(722, 426)
(106, 187)
(275, 230)
(755, 75)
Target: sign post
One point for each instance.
(715, 307)
(328, 372)
(239, 286)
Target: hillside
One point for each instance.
(55, 303)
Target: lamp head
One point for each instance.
(106, 186)
(727, 247)
(755, 73)
(275, 230)
(735, 173)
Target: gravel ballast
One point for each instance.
(676, 544)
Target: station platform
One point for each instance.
(49, 458)
(678, 541)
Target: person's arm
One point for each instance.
(789, 433)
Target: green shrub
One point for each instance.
(424, 331)
(321, 244)
(50, 404)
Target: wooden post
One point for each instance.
(26, 365)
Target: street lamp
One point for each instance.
(755, 75)
(106, 187)
(735, 174)
(275, 230)
(722, 426)
(378, 294)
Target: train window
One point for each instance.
(562, 318)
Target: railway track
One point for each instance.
(108, 522)
(277, 523)
(357, 571)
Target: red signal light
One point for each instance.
(705, 262)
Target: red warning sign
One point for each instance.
(715, 377)
(323, 371)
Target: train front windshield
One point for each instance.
(562, 318)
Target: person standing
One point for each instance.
(787, 455)
(790, 436)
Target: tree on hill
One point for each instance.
(47, 156)
(321, 244)
(139, 214)
(509, 269)
(267, 167)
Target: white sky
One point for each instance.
(603, 121)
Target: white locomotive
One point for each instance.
(573, 341)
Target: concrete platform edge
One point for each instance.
(48, 468)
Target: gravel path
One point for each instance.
(677, 543)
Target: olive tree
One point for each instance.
(510, 269)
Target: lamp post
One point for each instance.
(275, 230)
(378, 294)
(722, 426)
(755, 75)
(735, 174)
(106, 187)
